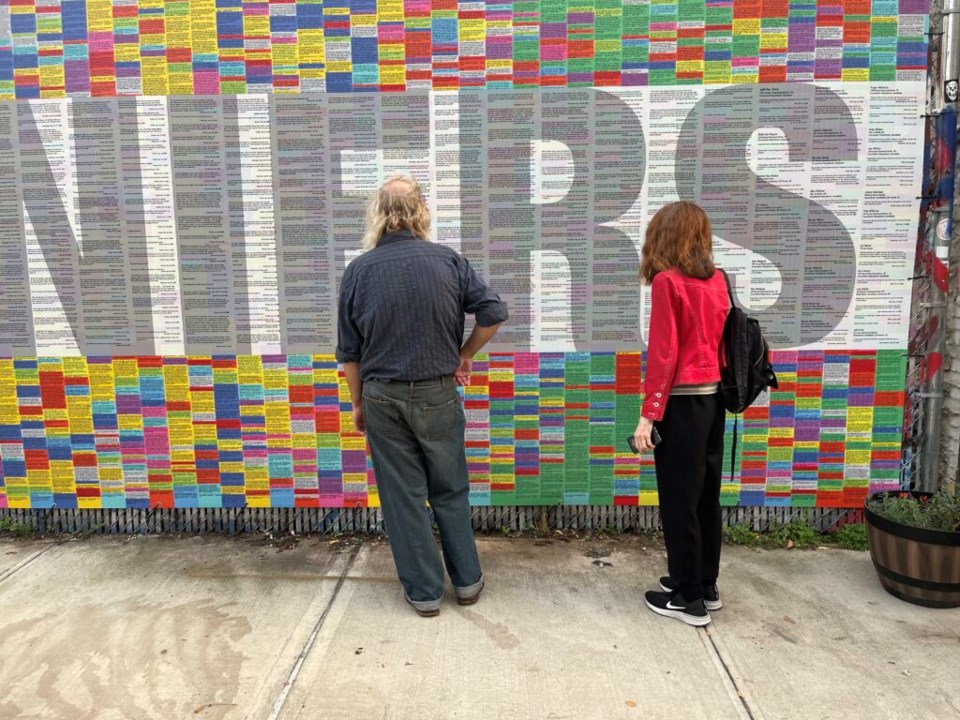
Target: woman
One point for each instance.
(682, 402)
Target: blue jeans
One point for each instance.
(416, 436)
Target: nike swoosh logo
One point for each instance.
(671, 606)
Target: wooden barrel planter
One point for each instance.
(914, 564)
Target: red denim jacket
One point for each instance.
(686, 329)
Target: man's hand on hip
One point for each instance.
(462, 373)
(478, 338)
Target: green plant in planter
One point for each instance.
(915, 545)
(938, 511)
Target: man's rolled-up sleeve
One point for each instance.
(349, 339)
(479, 299)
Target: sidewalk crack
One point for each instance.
(308, 645)
(10, 572)
(714, 649)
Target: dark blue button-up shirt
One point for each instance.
(402, 307)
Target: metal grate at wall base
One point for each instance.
(331, 521)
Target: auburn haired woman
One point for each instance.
(681, 400)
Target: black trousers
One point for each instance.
(689, 463)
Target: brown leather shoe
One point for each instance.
(422, 613)
(427, 613)
(471, 599)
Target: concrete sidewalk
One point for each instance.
(159, 627)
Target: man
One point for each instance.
(400, 331)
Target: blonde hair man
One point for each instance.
(400, 339)
(398, 205)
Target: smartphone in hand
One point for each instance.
(654, 438)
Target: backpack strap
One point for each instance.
(726, 279)
(736, 418)
(733, 449)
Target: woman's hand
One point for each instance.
(641, 435)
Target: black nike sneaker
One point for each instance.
(673, 605)
(711, 594)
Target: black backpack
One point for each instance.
(748, 370)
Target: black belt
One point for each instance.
(414, 383)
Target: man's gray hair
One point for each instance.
(398, 205)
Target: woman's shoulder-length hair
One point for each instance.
(679, 238)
